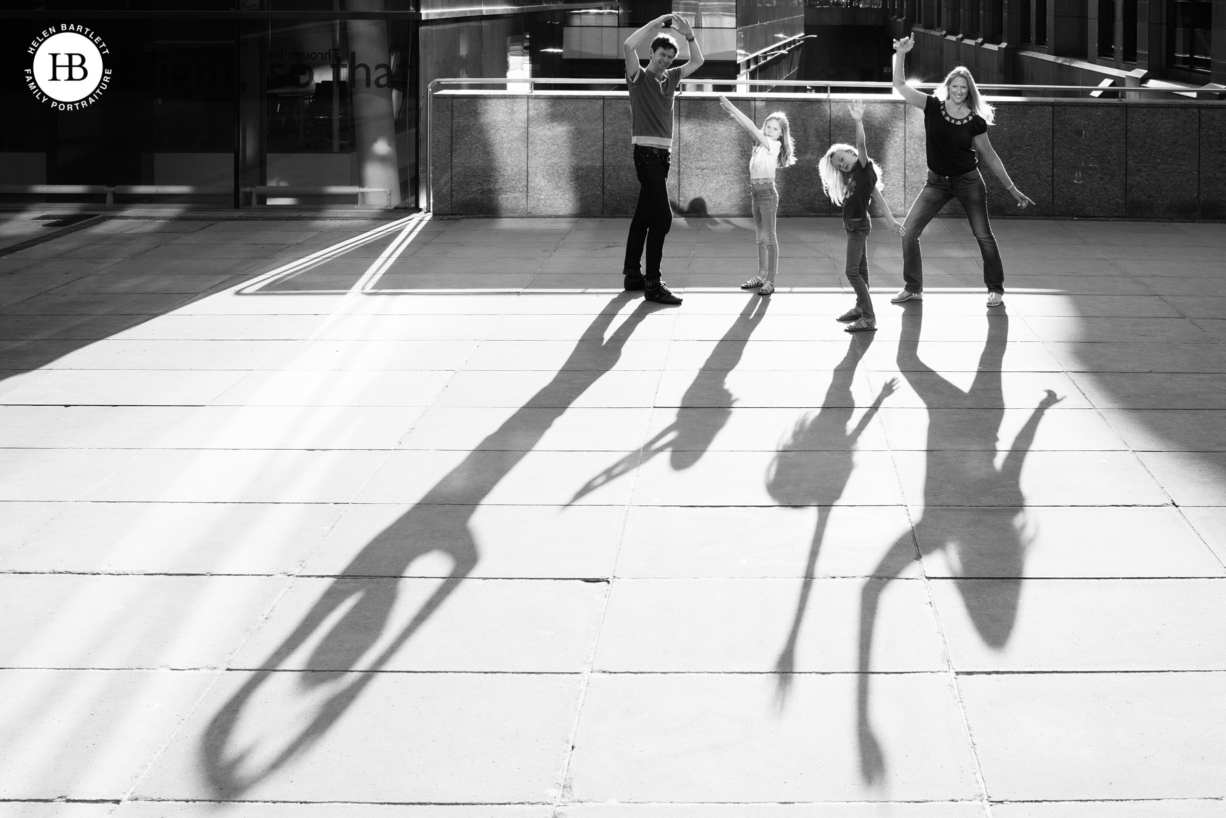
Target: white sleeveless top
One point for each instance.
(763, 161)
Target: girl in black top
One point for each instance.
(851, 179)
(956, 120)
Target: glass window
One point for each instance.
(1106, 28)
(1130, 30)
(1188, 32)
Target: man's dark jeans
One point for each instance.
(653, 217)
(970, 191)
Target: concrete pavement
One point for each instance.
(317, 516)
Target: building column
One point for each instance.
(1217, 46)
(374, 122)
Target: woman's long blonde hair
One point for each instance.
(974, 100)
(787, 148)
(834, 181)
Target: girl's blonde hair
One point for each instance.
(834, 181)
(787, 149)
(974, 100)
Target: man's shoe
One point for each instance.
(634, 282)
(996, 299)
(659, 292)
(906, 295)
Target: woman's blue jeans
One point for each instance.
(970, 191)
(857, 262)
(764, 202)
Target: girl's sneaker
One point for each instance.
(850, 315)
(862, 325)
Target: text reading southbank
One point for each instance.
(68, 72)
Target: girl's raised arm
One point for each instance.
(857, 113)
(745, 122)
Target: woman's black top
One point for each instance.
(951, 148)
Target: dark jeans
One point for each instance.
(970, 191)
(653, 216)
(857, 262)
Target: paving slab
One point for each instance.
(748, 738)
(1192, 479)
(492, 541)
(57, 474)
(374, 737)
(763, 625)
(1157, 390)
(762, 542)
(88, 734)
(990, 478)
(576, 429)
(122, 387)
(128, 622)
(335, 388)
(1092, 736)
(167, 538)
(1068, 541)
(419, 624)
(1013, 625)
(494, 477)
(1164, 808)
(970, 429)
(297, 809)
(880, 809)
(88, 427)
(1131, 357)
(229, 475)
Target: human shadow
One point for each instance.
(989, 541)
(437, 524)
(705, 410)
(797, 478)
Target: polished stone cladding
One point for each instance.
(304, 516)
(569, 154)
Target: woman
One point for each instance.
(956, 120)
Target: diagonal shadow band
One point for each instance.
(350, 643)
(689, 437)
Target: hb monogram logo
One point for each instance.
(68, 71)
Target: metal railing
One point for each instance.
(313, 190)
(1089, 92)
(111, 190)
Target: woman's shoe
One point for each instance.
(753, 283)
(767, 288)
(906, 295)
(996, 299)
(850, 315)
(862, 325)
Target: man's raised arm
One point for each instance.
(630, 47)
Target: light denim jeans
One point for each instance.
(764, 200)
(857, 262)
(970, 191)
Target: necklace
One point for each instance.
(951, 118)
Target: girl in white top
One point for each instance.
(775, 149)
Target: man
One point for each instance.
(651, 114)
